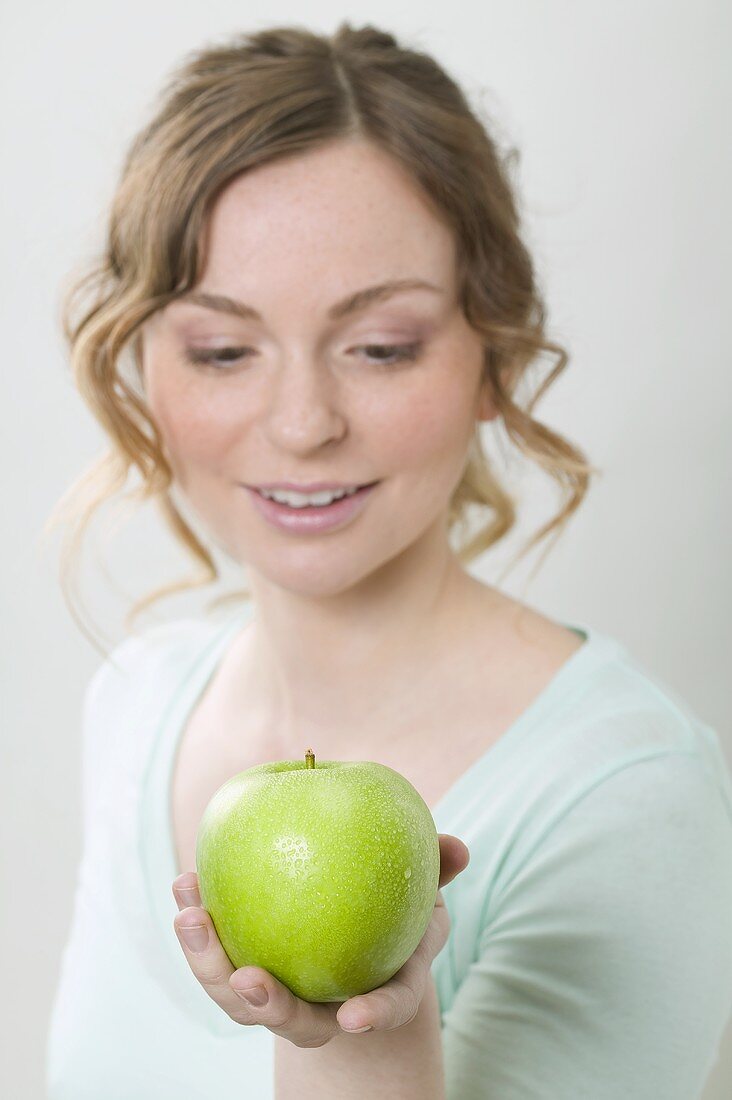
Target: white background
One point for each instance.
(622, 116)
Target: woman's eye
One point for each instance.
(380, 354)
(387, 354)
(217, 356)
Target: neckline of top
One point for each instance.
(596, 648)
(155, 808)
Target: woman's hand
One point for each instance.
(304, 1023)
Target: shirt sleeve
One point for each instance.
(605, 965)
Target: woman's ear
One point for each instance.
(486, 408)
(486, 401)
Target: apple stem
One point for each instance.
(309, 758)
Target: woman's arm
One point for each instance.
(605, 968)
(403, 1064)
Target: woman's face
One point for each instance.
(301, 395)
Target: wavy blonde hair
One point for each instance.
(255, 98)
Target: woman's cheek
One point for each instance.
(430, 428)
(197, 424)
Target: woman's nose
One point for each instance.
(304, 410)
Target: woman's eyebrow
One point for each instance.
(354, 302)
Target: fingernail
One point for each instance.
(187, 897)
(195, 936)
(256, 996)
(358, 1030)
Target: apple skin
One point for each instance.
(326, 876)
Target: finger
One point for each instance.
(454, 857)
(185, 890)
(209, 962)
(303, 1023)
(268, 1001)
(397, 1001)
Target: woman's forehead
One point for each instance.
(342, 202)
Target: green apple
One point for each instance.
(325, 876)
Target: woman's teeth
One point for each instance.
(304, 500)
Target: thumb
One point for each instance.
(454, 857)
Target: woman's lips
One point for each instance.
(312, 518)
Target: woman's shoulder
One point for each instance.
(614, 711)
(155, 654)
(598, 679)
(617, 688)
(605, 707)
(163, 641)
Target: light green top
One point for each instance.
(590, 951)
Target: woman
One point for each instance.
(314, 255)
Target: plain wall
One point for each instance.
(622, 116)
